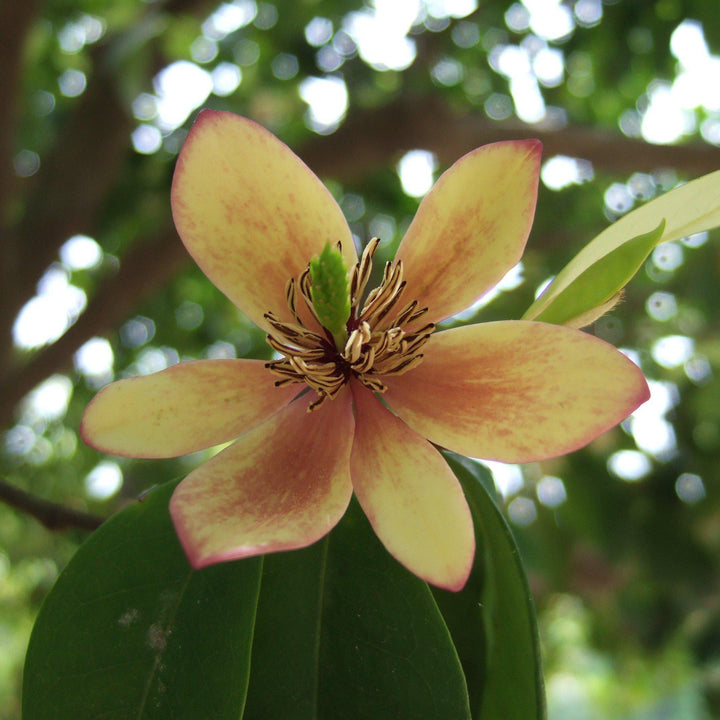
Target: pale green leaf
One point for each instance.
(601, 282)
(688, 209)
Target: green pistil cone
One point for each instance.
(330, 292)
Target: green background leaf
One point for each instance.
(600, 282)
(131, 631)
(492, 620)
(338, 630)
(691, 208)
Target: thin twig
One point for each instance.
(52, 515)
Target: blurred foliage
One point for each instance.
(624, 572)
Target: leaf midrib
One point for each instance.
(156, 660)
(318, 629)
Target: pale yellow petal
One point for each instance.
(188, 407)
(516, 391)
(283, 485)
(411, 497)
(471, 228)
(250, 212)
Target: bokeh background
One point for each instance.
(620, 539)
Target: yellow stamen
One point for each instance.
(377, 345)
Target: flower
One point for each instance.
(253, 216)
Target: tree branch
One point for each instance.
(149, 265)
(78, 174)
(373, 138)
(73, 182)
(15, 21)
(52, 515)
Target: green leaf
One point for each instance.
(130, 630)
(602, 281)
(337, 630)
(492, 621)
(688, 209)
(345, 632)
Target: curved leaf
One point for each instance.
(337, 630)
(601, 282)
(344, 632)
(130, 630)
(688, 209)
(492, 621)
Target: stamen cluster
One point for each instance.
(379, 343)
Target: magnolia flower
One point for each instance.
(360, 407)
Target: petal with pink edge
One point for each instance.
(188, 407)
(411, 497)
(472, 226)
(282, 486)
(250, 212)
(516, 391)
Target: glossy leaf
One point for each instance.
(344, 632)
(688, 209)
(337, 630)
(601, 282)
(492, 621)
(130, 630)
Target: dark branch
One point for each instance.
(148, 266)
(79, 172)
(71, 186)
(51, 515)
(15, 21)
(374, 138)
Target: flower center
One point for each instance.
(381, 340)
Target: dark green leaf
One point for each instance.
(342, 631)
(492, 621)
(345, 632)
(131, 631)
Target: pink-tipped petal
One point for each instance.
(411, 497)
(282, 486)
(516, 391)
(471, 228)
(188, 407)
(250, 212)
